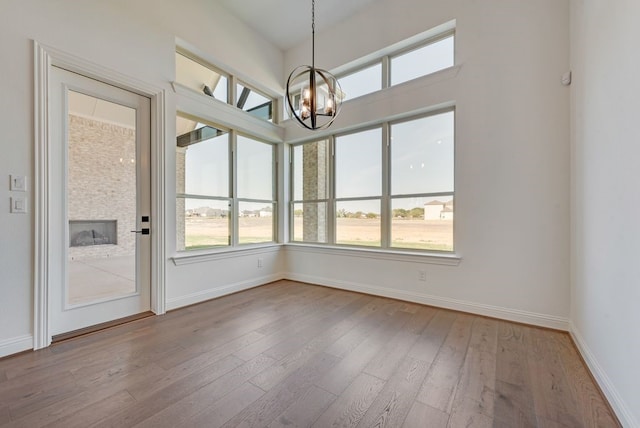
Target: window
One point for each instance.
(362, 82)
(422, 61)
(358, 177)
(200, 76)
(311, 192)
(387, 187)
(255, 178)
(421, 153)
(207, 212)
(254, 103)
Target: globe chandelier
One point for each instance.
(314, 96)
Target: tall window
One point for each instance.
(380, 189)
(209, 212)
(256, 195)
(358, 175)
(422, 183)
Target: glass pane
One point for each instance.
(362, 82)
(101, 204)
(254, 103)
(359, 164)
(255, 222)
(200, 78)
(422, 223)
(311, 171)
(201, 223)
(358, 223)
(422, 61)
(422, 155)
(202, 159)
(255, 169)
(310, 222)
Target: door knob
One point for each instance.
(144, 231)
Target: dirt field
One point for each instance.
(416, 234)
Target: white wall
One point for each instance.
(512, 154)
(606, 197)
(135, 38)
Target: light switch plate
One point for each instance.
(18, 183)
(18, 205)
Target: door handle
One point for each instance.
(144, 231)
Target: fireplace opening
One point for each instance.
(92, 232)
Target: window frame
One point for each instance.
(386, 198)
(233, 199)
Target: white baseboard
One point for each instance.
(15, 345)
(515, 315)
(201, 296)
(622, 411)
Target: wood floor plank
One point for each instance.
(267, 408)
(305, 410)
(590, 404)
(421, 416)
(473, 403)
(96, 412)
(387, 360)
(226, 408)
(440, 385)
(393, 403)
(551, 393)
(346, 370)
(352, 404)
(513, 397)
(167, 390)
(292, 354)
(182, 411)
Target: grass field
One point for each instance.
(437, 235)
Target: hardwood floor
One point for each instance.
(297, 355)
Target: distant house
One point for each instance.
(438, 210)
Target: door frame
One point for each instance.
(46, 57)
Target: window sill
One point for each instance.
(447, 259)
(189, 257)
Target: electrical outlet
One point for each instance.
(259, 262)
(422, 275)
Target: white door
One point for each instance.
(99, 197)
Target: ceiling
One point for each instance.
(286, 23)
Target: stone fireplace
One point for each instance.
(83, 233)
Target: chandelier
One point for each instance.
(314, 96)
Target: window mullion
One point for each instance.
(331, 204)
(233, 239)
(385, 213)
(386, 72)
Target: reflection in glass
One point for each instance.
(255, 169)
(310, 222)
(422, 155)
(201, 78)
(255, 222)
(254, 103)
(358, 160)
(101, 204)
(422, 61)
(422, 223)
(358, 223)
(202, 159)
(311, 171)
(362, 82)
(205, 225)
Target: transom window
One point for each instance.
(388, 187)
(200, 76)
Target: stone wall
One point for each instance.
(102, 182)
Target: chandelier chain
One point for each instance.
(313, 33)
